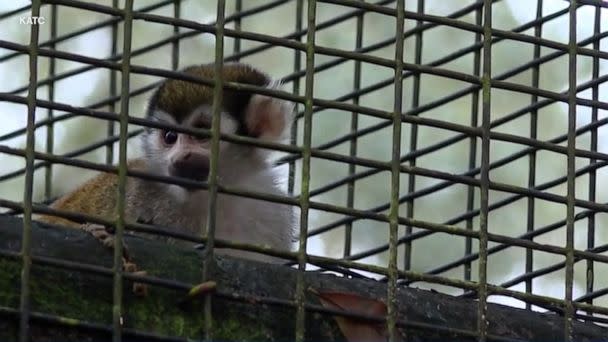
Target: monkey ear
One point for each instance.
(269, 118)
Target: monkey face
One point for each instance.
(190, 105)
(188, 159)
(182, 155)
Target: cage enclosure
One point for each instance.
(444, 168)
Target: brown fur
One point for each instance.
(238, 219)
(179, 98)
(91, 198)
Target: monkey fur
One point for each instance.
(169, 153)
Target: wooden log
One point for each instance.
(250, 303)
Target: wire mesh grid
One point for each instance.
(431, 148)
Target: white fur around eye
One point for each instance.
(161, 115)
(228, 124)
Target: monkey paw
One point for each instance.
(139, 289)
(100, 233)
(106, 238)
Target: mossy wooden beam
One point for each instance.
(72, 305)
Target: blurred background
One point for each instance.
(89, 86)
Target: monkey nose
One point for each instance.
(192, 166)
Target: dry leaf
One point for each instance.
(202, 288)
(354, 329)
(197, 291)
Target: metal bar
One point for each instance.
(532, 157)
(482, 292)
(113, 91)
(571, 193)
(15, 12)
(218, 94)
(300, 295)
(50, 129)
(597, 3)
(352, 146)
(297, 65)
(177, 8)
(393, 216)
(121, 204)
(411, 185)
(589, 274)
(238, 8)
(26, 241)
(468, 244)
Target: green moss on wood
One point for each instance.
(78, 297)
(9, 283)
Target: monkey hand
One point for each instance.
(106, 238)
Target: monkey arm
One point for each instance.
(96, 197)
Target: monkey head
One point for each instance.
(190, 104)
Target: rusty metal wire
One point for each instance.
(405, 232)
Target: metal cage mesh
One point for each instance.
(435, 141)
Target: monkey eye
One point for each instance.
(170, 137)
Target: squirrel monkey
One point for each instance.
(170, 153)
